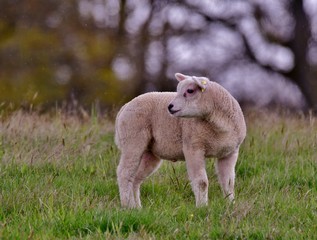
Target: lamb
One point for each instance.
(200, 120)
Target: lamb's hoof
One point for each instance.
(230, 197)
(201, 204)
(131, 205)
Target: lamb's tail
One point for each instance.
(117, 137)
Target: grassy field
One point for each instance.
(58, 181)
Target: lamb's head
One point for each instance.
(190, 100)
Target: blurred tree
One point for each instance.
(50, 53)
(264, 42)
(264, 52)
(299, 44)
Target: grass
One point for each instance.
(58, 182)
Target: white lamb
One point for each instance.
(201, 120)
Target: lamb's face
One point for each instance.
(189, 98)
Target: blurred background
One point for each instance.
(102, 53)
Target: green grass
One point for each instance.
(58, 181)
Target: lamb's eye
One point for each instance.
(190, 90)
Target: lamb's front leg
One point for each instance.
(195, 163)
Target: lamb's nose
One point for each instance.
(170, 107)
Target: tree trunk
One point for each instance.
(301, 73)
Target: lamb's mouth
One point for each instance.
(173, 111)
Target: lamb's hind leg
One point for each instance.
(226, 174)
(126, 172)
(149, 164)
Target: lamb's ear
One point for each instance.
(201, 82)
(180, 77)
